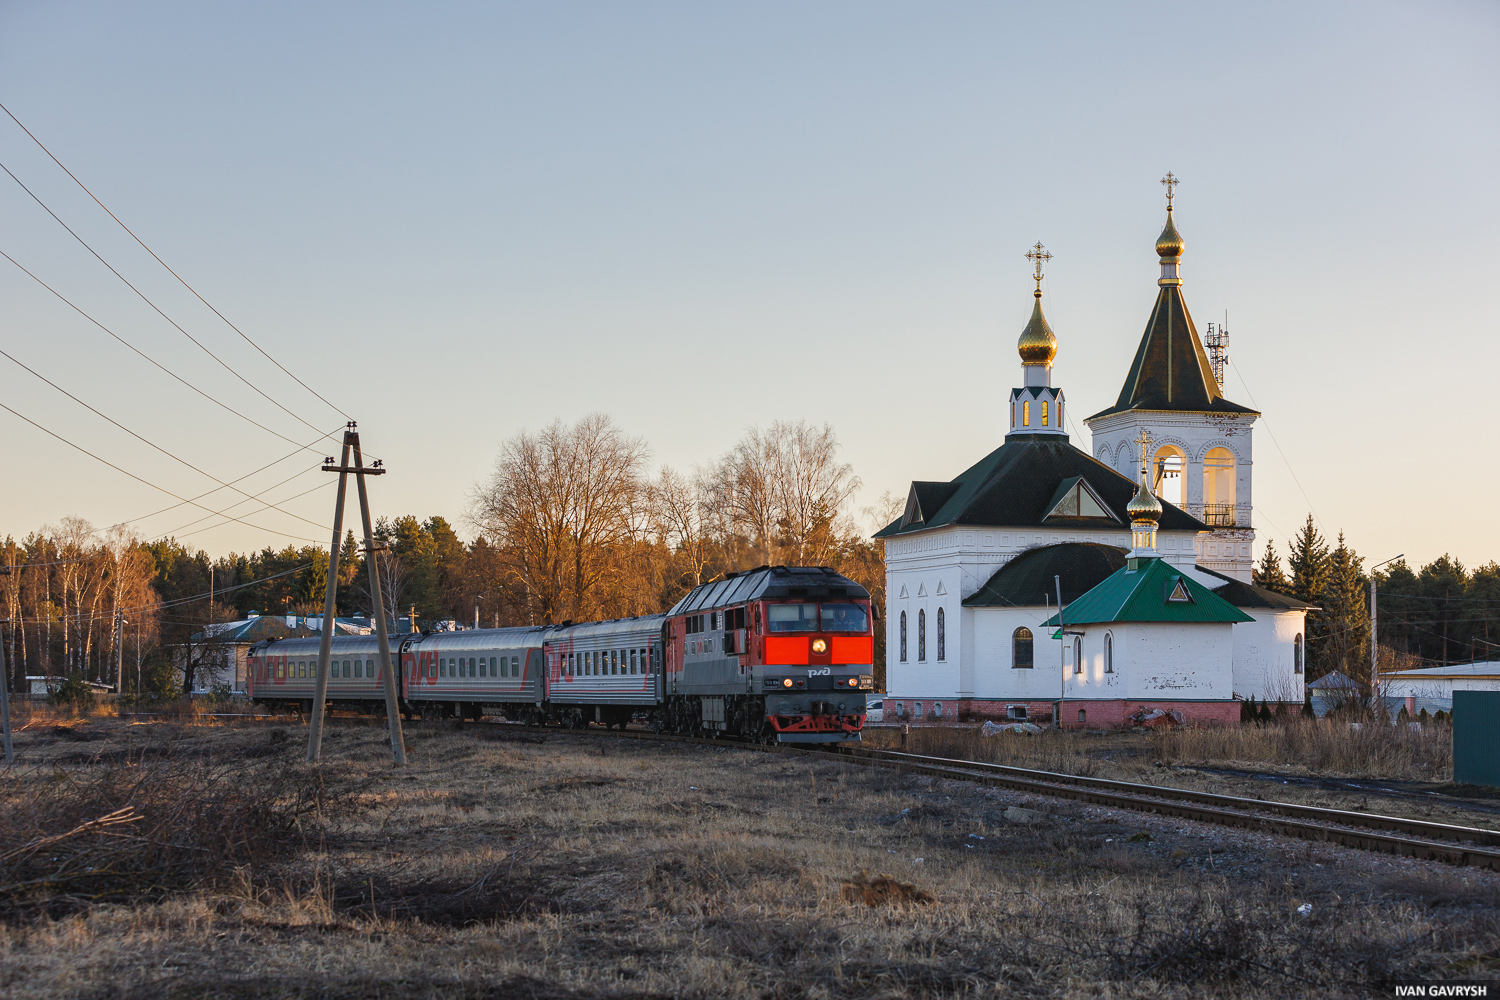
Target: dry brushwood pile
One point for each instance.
(196, 861)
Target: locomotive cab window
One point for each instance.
(844, 618)
(793, 617)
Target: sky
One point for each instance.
(456, 222)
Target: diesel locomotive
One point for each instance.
(780, 653)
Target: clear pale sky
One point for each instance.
(457, 221)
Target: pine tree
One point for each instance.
(1268, 574)
(1308, 564)
(1345, 618)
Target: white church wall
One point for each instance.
(995, 675)
(1264, 656)
(1167, 660)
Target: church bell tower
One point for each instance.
(1202, 458)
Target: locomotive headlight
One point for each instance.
(820, 646)
(787, 682)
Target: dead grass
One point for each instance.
(508, 865)
(1324, 746)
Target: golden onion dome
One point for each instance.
(1169, 243)
(1038, 344)
(1144, 507)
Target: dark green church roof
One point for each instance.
(1018, 485)
(1028, 579)
(1149, 590)
(1171, 369)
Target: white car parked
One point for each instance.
(875, 709)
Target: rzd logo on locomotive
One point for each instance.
(819, 672)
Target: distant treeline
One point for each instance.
(570, 525)
(1440, 614)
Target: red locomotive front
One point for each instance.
(783, 653)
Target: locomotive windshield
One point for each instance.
(813, 617)
(793, 617)
(845, 618)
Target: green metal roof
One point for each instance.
(1149, 590)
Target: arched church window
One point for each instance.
(1044, 413)
(1218, 487)
(1077, 655)
(1109, 652)
(942, 636)
(1166, 474)
(1297, 654)
(1021, 647)
(922, 635)
(1026, 414)
(903, 637)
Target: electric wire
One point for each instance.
(144, 482)
(223, 364)
(163, 263)
(179, 533)
(217, 402)
(1289, 469)
(150, 443)
(200, 496)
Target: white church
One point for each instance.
(976, 566)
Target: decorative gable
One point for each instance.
(926, 499)
(1075, 498)
(921, 590)
(941, 590)
(1180, 593)
(903, 592)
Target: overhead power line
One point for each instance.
(217, 402)
(144, 482)
(163, 263)
(142, 295)
(149, 443)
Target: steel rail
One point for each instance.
(1346, 817)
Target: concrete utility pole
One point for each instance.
(388, 668)
(1375, 663)
(330, 595)
(1062, 654)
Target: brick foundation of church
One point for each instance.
(1098, 714)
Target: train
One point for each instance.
(779, 653)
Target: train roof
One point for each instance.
(614, 626)
(769, 582)
(486, 638)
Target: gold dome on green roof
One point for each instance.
(1144, 507)
(1169, 243)
(1038, 344)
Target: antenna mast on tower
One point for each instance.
(1216, 340)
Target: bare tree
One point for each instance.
(555, 502)
(811, 488)
(784, 490)
(679, 505)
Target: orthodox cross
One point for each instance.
(1145, 442)
(1037, 255)
(1170, 182)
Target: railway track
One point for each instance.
(1398, 835)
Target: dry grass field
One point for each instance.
(502, 863)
